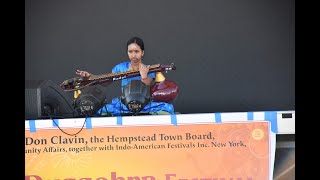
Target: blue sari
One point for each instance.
(116, 107)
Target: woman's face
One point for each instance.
(135, 53)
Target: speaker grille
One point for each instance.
(32, 102)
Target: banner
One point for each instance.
(165, 152)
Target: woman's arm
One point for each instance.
(143, 69)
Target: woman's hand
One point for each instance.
(83, 73)
(143, 69)
(144, 74)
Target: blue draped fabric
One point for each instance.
(116, 107)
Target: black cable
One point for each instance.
(100, 112)
(85, 120)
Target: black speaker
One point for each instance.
(90, 100)
(135, 96)
(46, 99)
